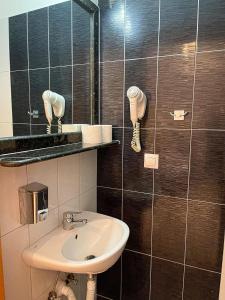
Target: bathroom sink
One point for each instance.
(89, 248)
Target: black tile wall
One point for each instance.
(60, 40)
(38, 38)
(141, 25)
(200, 284)
(172, 176)
(211, 31)
(18, 42)
(136, 276)
(176, 213)
(209, 108)
(145, 78)
(20, 96)
(81, 95)
(205, 235)
(45, 43)
(112, 29)
(39, 82)
(81, 34)
(110, 163)
(169, 224)
(135, 176)
(175, 90)
(112, 93)
(207, 176)
(61, 83)
(178, 25)
(167, 280)
(110, 202)
(113, 275)
(137, 213)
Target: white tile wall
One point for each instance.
(65, 179)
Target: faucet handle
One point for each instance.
(70, 216)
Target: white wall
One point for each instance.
(72, 186)
(5, 84)
(15, 7)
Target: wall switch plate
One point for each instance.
(178, 115)
(151, 161)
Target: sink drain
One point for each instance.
(90, 257)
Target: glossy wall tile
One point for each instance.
(161, 59)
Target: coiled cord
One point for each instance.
(59, 125)
(135, 143)
(49, 129)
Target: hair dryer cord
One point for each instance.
(135, 143)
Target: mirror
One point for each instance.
(50, 48)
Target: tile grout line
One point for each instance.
(190, 151)
(164, 56)
(172, 261)
(154, 148)
(72, 75)
(122, 158)
(161, 195)
(28, 70)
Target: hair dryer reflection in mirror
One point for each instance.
(55, 102)
(138, 103)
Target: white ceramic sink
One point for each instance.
(103, 236)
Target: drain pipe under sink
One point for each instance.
(63, 290)
(91, 286)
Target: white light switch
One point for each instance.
(179, 115)
(151, 161)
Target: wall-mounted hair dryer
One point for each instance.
(138, 103)
(55, 102)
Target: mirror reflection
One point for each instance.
(46, 69)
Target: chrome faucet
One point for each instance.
(70, 220)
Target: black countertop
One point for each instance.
(32, 156)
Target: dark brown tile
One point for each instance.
(110, 163)
(39, 82)
(136, 276)
(172, 176)
(209, 105)
(18, 42)
(207, 176)
(109, 202)
(61, 83)
(136, 177)
(169, 228)
(205, 235)
(38, 38)
(81, 34)
(175, 90)
(137, 213)
(20, 97)
(211, 30)
(200, 284)
(167, 280)
(112, 29)
(178, 24)
(142, 18)
(81, 94)
(112, 93)
(108, 283)
(142, 73)
(60, 39)
(21, 129)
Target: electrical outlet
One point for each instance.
(151, 161)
